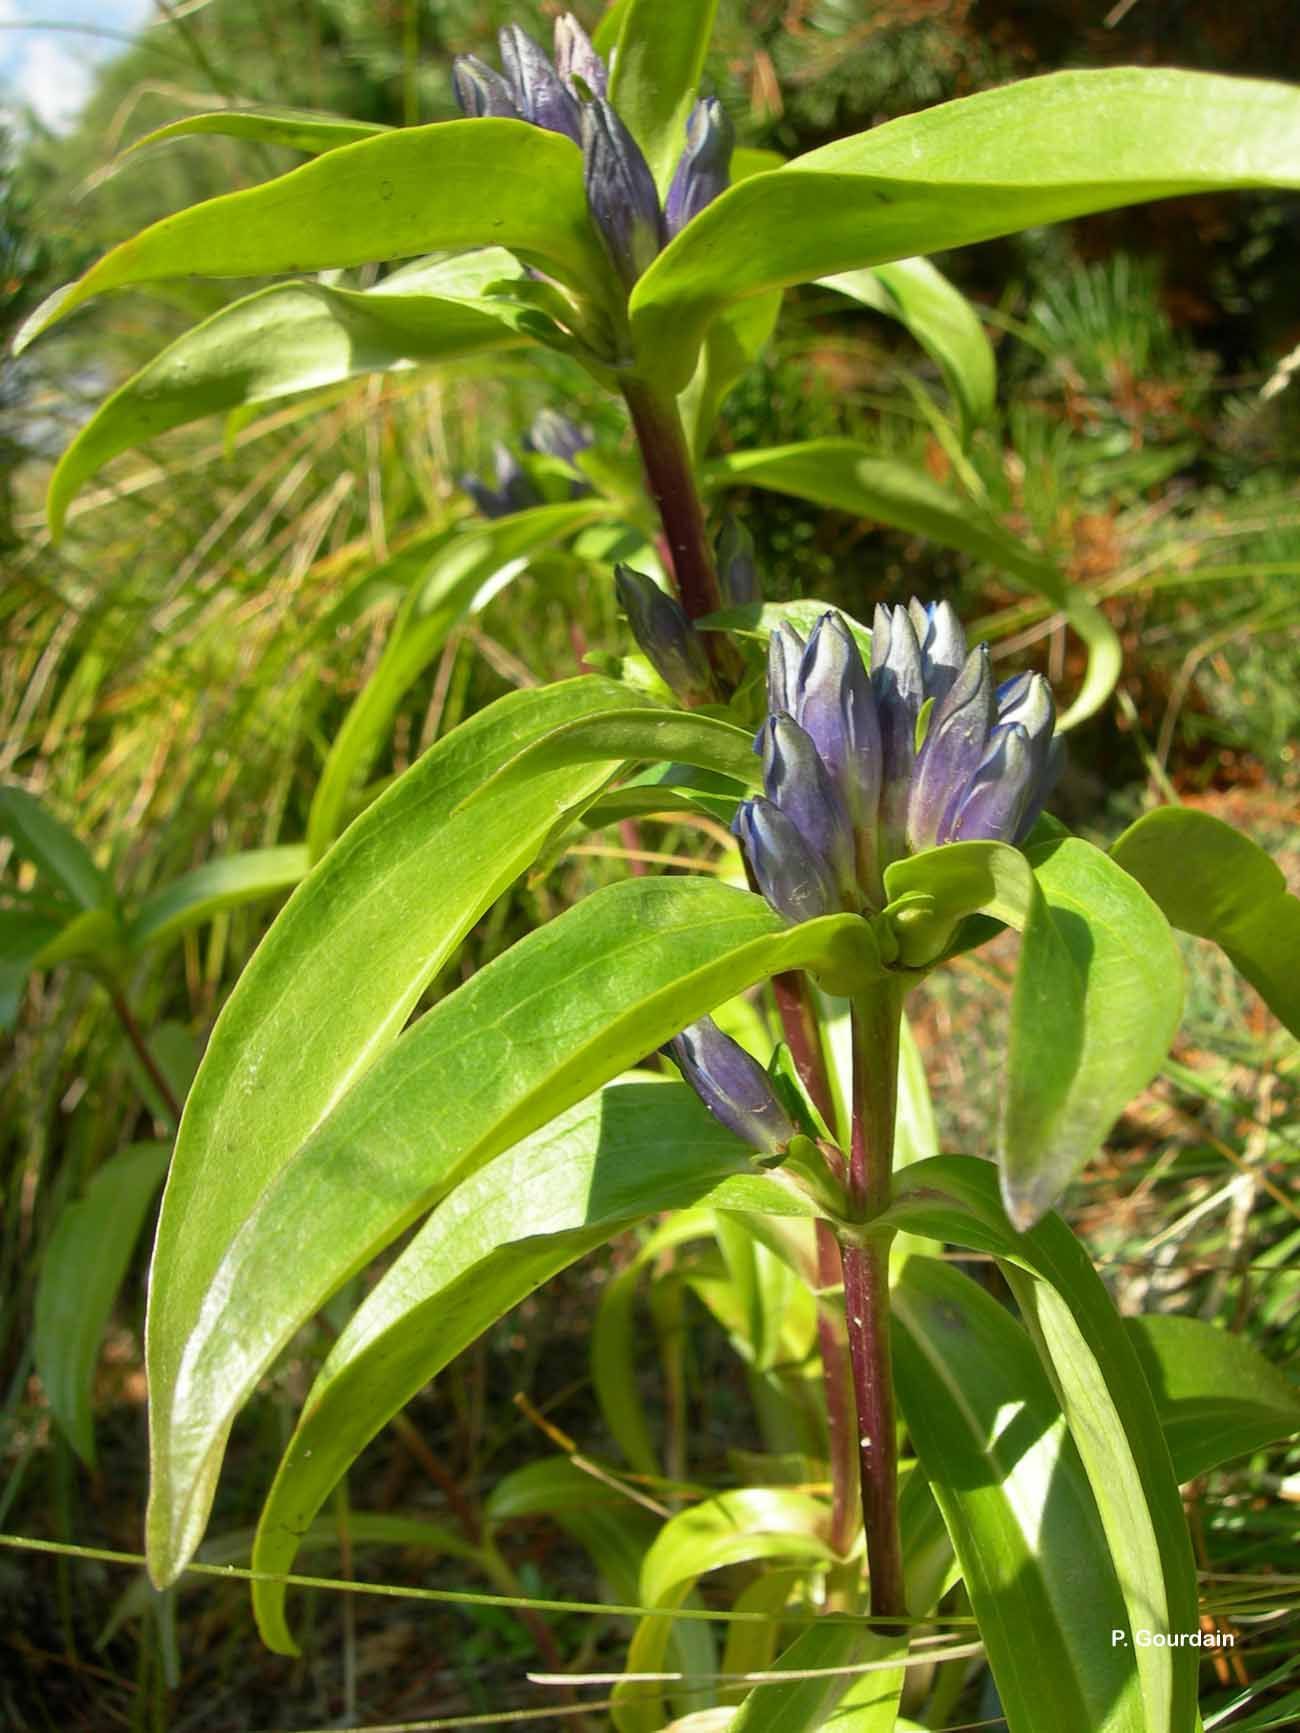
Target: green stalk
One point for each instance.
(876, 1018)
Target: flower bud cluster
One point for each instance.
(568, 94)
(550, 435)
(863, 766)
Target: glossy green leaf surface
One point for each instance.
(1211, 880)
(216, 885)
(941, 319)
(52, 848)
(464, 568)
(1105, 1396)
(632, 1149)
(293, 128)
(463, 183)
(288, 338)
(657, 66)
(1035, 1561)
(1217, 1396)
(82, 1269)
(776, 1523)
(1034, 152)
(564, 1010)
(1097, 999)
(1132, 978)
(849, 476)
(338, 974)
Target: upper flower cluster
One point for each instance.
(861, 768)
(550, 435)
(568, 94)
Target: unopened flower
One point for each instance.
(661, 628)
(621, 192)
(733, 1086)
(737, 567)
(481, 91)
(514, 488)
(862, 768)
(576, 59)
(540, 94)
(704, 167)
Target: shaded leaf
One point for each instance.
(217, 885)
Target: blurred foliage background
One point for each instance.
(172, 675)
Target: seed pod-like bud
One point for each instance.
(540, 95)
(481, 91)
(733, 1086)
(1027, 699)
(621, 192)
(576, 58)
(954, 746)
(668, 638)
(737, 567)
(943, 646)
(796, 780)
(994, 805)
(837, 708)
(704, 167)
(785, 650)
(896, 680)
(795, 881)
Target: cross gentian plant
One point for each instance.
(592, 205)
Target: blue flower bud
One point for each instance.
(785, 650)
(796, 780)
(795, 881)
(837, 708)
(576, 58)
(897, 682)
(733, 1086)
(1027, 699)
(954, 746)
(943, 646)
(621, 192)
(704, 167)
(540, 95)
(668, 638)
(556, 436)
(994, 805)
(514, 490)
(737, 567)
(480, 91)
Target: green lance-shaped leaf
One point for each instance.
(943, 322)
(293, 128)
(1212, 881)
(52, 848)
(1105, 659)
(1106, 1399)
(1097, 999)
(1217, 1396)
(849, 476)
(81, 1272)
(288, 338)
(656, 71)
(994, 1444)
(210, 889)
(567, 1008)
(24, 936)
(760, 1522)
(1029, 153)
(634, 1148)
(459, 184)
(464, 569)
(341, 969)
